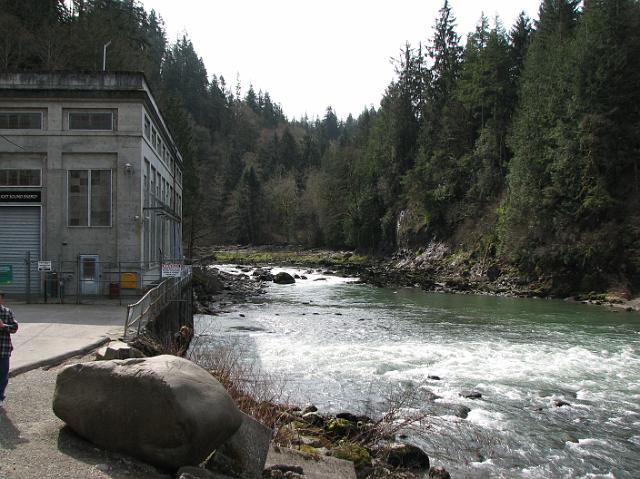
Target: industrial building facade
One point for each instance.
(90, 184)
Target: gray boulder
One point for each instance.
(164, 410)
(118, 350)
(245, 453)
(283, 278)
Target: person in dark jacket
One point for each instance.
(8, 326)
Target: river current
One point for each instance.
(560, 382)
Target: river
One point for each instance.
(560, 382)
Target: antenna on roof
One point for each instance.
(104, 55)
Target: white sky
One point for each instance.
(312, 54)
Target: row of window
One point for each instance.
(155, 139)
(91, 120)
(159, 191)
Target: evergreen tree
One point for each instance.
(536, 210)
(519, 38)
(445, 52)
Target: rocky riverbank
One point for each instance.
(435, 268)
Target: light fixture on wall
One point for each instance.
(128, 169)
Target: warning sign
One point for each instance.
(171, 270)
(44, 265)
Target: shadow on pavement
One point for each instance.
(9, 434)
(112, 464)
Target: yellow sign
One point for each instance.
(128, 280)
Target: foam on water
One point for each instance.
(487, 419)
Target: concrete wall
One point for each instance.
(55, 149)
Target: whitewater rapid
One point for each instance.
(560, 383)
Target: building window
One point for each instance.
(153, 185)
(89, 198)
(147, 127)
(91, 120)
(20, 120)
(146, 182)
(11, 177)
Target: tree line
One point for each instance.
(520, 145)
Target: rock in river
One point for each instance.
(164, 410)
(283, 278)
(471, 394)
(406, 455)
(439, 473)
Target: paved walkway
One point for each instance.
(50, 333)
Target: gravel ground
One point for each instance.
(35, 444)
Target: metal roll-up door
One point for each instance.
(19, 234)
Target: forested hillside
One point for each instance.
(518, 145)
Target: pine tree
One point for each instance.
(543, 166)
(446, 53)
(519, 38)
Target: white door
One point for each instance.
(89, 274)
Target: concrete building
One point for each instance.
(90, 179)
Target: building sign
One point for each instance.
(171, 270)
(20, 196)
(6, 274)
(44, 265)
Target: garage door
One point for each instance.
(19, 233)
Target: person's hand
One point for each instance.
(3, 326)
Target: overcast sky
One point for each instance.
(310, 54)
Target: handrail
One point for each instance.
(153, 303)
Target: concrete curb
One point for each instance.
(58, 359)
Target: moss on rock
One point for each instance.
(355, 453)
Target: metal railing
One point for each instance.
(154, 302)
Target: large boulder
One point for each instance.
(164, 410)
(407, 456)
(283, 278)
